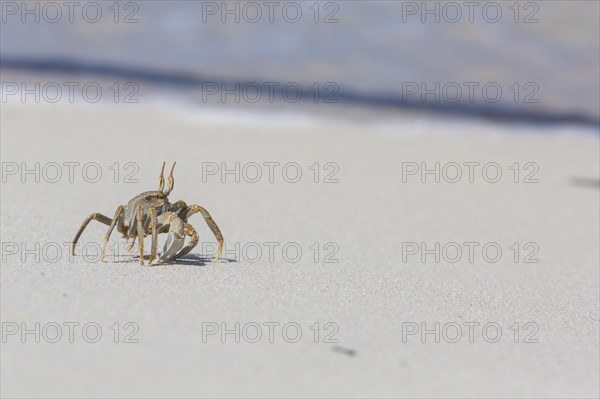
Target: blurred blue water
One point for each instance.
(374, 51)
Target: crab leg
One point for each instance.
(94, 216)
(153, 228)
(211, 224)
(190, 231)
(175, 238)
(118, 213)
(140, 231)
(130, 247)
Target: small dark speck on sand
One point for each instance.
(64, 295)
(585, 182)
(344, 351)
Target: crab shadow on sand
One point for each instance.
(186, 260)
(197, 260)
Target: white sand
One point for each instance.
(369, 293)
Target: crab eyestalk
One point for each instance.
(161, 181)
(171, 180)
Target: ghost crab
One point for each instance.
(151, 213)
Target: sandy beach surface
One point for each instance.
(340, 248)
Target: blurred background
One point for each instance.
(521, 61)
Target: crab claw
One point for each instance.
(175, 238)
